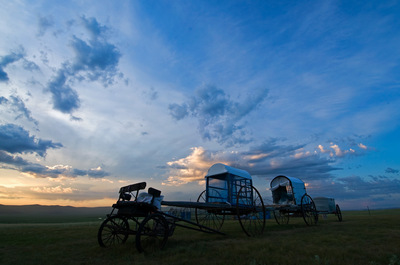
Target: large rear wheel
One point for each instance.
(250, 210)
(152, 234)
(211, 218)
(309, 211)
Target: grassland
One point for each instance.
(362, 238)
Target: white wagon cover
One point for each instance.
(293, 185)
(219, 168)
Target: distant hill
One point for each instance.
(46, 214)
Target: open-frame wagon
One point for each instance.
(327, 205)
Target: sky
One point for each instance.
(95, 95)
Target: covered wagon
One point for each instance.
(232, 190)
(290, 199)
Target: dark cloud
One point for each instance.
(94, 28)
(15, 139)
(12, 160)
(8, 59)
(219, 117)
(94, 60)
(16, 105)
(178, 112)
(392, 171)
(65, 99)
(44, 24)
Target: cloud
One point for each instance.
(189, 169)
(65, 99)
(95, 59)
(57, 171)
(266, 160)
(17, 106)
(44, 23)
(54, 190)
(8, 59)
(271, 158)
(12, 160)
(219, 118)
(15, 139)
(392, 170)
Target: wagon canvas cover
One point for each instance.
(287, 190)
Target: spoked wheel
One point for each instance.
(209, 218)
(338, 213)
(309, 211)
(281, 218)
(113, 231)
(250, 210)
(152, 234)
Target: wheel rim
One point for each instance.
(250, 212)
(280, 217)
(309, 211)
(113, 231)
(152, 234)
(208, 218)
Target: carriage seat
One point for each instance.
(143, 203)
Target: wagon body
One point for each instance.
(223, 184)
(290, 199)
(325, 204)
(287, 190)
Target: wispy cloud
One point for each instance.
(219, 117)
(94, 60)
(16, 105)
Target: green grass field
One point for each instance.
(361, 238)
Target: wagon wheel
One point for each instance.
(209, 218)
(281, 218)
(309, 211)
(113, 231)
(152, 233)
(338, 213)
(250, 210)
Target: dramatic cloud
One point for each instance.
(95, 59)
(219, 117)
(15, 139)
(266, 160)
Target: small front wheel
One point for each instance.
(152, 234)
(113, 231)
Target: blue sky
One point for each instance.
(94, 96)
